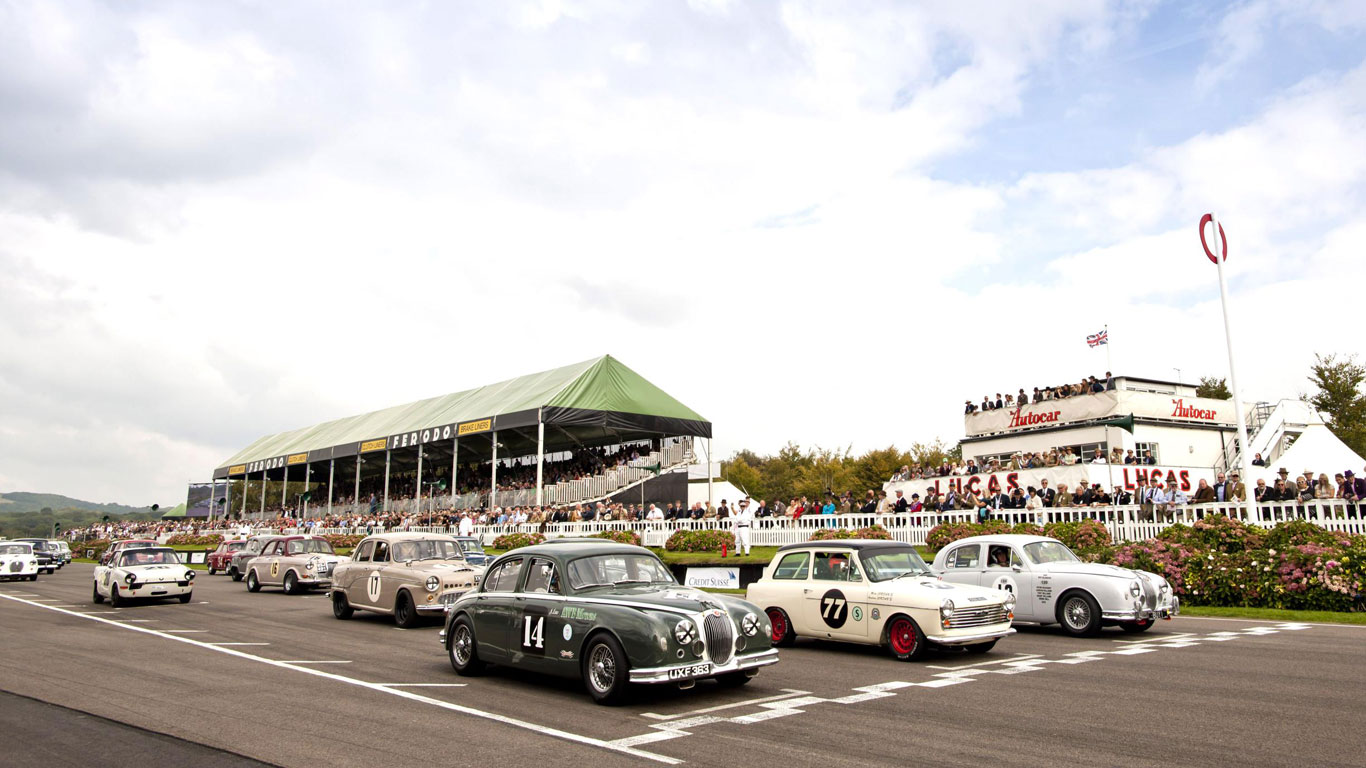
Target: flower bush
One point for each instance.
(700, 541)
(517, 540)
(343, 541)
(1087, 538)
(92, 549)
(190, 540)
(945, 534)
(621, 537)
(870, 532)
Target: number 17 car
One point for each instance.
(611, 614)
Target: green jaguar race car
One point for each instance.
(607, 612)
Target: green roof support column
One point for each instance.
(540, 455)
(493, 484)
(419, 482)
(355, 495)
(246, 478)
(455, 462)
(386, 481)
(308, 474)
(284, 488)
(263, 494)
(331, 475)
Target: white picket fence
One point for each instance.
(1126, 523)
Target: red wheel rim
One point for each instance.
(779, 623)
(902, 636)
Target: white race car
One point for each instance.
(17, 561)
(149, 572)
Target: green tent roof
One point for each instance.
(593, 401)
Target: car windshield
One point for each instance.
(470, 545)
(16, 549)
(233, 546)
(39, 546)
(427, 549)
(608, 570)
(145, 556)
(1049, 552)
(309, 547)
(885, 564)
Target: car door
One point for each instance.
(352, 578)
(1005, 570)
(963, 564)
(268, 565)
(495, 609)
(540, 637)
(836, 597)
(789, 587)
(376, 589)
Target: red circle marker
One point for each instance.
(1207, 218)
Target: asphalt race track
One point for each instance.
(276, 679)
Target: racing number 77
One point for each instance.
(832, 608)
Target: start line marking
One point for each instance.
(463, 709)
(782, 706)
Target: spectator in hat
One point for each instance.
(1237, 491)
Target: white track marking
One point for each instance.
(424, 685)
(184, 631)
(237, 643)
(307, 661)
(789, 692)
(1281, 622)
(461, 708)
(1016, 657)
(139, 621)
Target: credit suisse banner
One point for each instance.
(1102, 405)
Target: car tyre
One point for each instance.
(1079, 615)
(95, 596)
(606, 670)
(185, 598)
(33, 577)
(114, 598)
(981, 647)
(291, 584)
(1135, 627)
(212, 570)
(782, 634)
(463, 648)
(905, 640)
(235, 574)
(341, 607)
(405, 613)
(253, 583)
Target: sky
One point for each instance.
(829, 223)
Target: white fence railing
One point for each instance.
(1127, 523)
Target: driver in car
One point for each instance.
(1000, 558)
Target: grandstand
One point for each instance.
(574, 434)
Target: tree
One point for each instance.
(1213, 388)
(744, 475)
(1339, 396)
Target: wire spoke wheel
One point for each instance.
(602, 668)
(1078, 613)
(462, 645)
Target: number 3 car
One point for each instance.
(149, 572)
(878, 593)
(1053, 585)
(609, 613)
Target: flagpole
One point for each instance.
(1244, 448)
(1108, 368)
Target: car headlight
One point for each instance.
(1163, 589)
(309, 565)
(946, 609)
(1010, 602)
(685, 632)
(750, 624)
(433, 583)
(130, 578)
(1135, 588)
(189, 575)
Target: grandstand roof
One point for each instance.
(585, 403)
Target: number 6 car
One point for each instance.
(611, 614)
(878, 593)
(1054, 586)
(150, 572)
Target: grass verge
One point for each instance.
(1273, 614)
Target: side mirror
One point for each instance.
(1016, 568)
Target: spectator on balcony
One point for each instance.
(1121, 497)
(986, 404)
(1204, 494)
(1262, 492)
(1100, 497)
(1130, 458)
(999, 404)
(828, 508)
(1098, 457)
(1022, 398)
(968, 407)
(900, 505)
(1083, 495)
(1324, 489)
(1258, 461)
(1068, 458)
(1172, 501)
(723, 511)
(1063, 498)
(1304, 490)
(1033, 502)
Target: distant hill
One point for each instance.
(18, 502)
(34, 514)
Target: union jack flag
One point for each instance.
(1097, 339)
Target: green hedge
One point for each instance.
(517, 540)
(621, 537)
(870, 532)
(700, 541)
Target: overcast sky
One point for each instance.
(821, 222)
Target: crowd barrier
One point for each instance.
(1125, 523)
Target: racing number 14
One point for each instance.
(533, 632)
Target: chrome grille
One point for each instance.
(16, 566)
(720, 637)
(978, 617)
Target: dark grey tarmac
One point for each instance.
(275, 678)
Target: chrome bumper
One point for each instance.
(981, 637)
(1145, 613)
(739, 663)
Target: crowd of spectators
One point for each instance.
(1065, 456)
(1086, 386)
